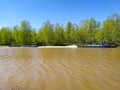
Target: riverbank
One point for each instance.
(4, 46)
(69, 46)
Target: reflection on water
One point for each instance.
(59, 69)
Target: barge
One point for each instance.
(97, 46)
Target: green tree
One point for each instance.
(111, 29)
(91, 25)
(5, 36)
(16, 40)
(99, 35)
(33, 35)
(25, 32)
(116, 31)
(68, 33)
(59, 35)
(108, 31)
(45, 34)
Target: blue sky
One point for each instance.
(12, 12)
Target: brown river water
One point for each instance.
(60, 69)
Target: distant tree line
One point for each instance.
(86, 32)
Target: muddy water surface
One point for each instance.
(59, 69)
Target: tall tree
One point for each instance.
(68, 33)
(111, 29)
(16, 36)
(25, 32)
(33, 36)
(91, 25)
(5, 36)
(59, 35)
(46, 34)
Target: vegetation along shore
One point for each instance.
(87, 32)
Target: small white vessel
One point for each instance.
(69, 46)
(72, 46)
